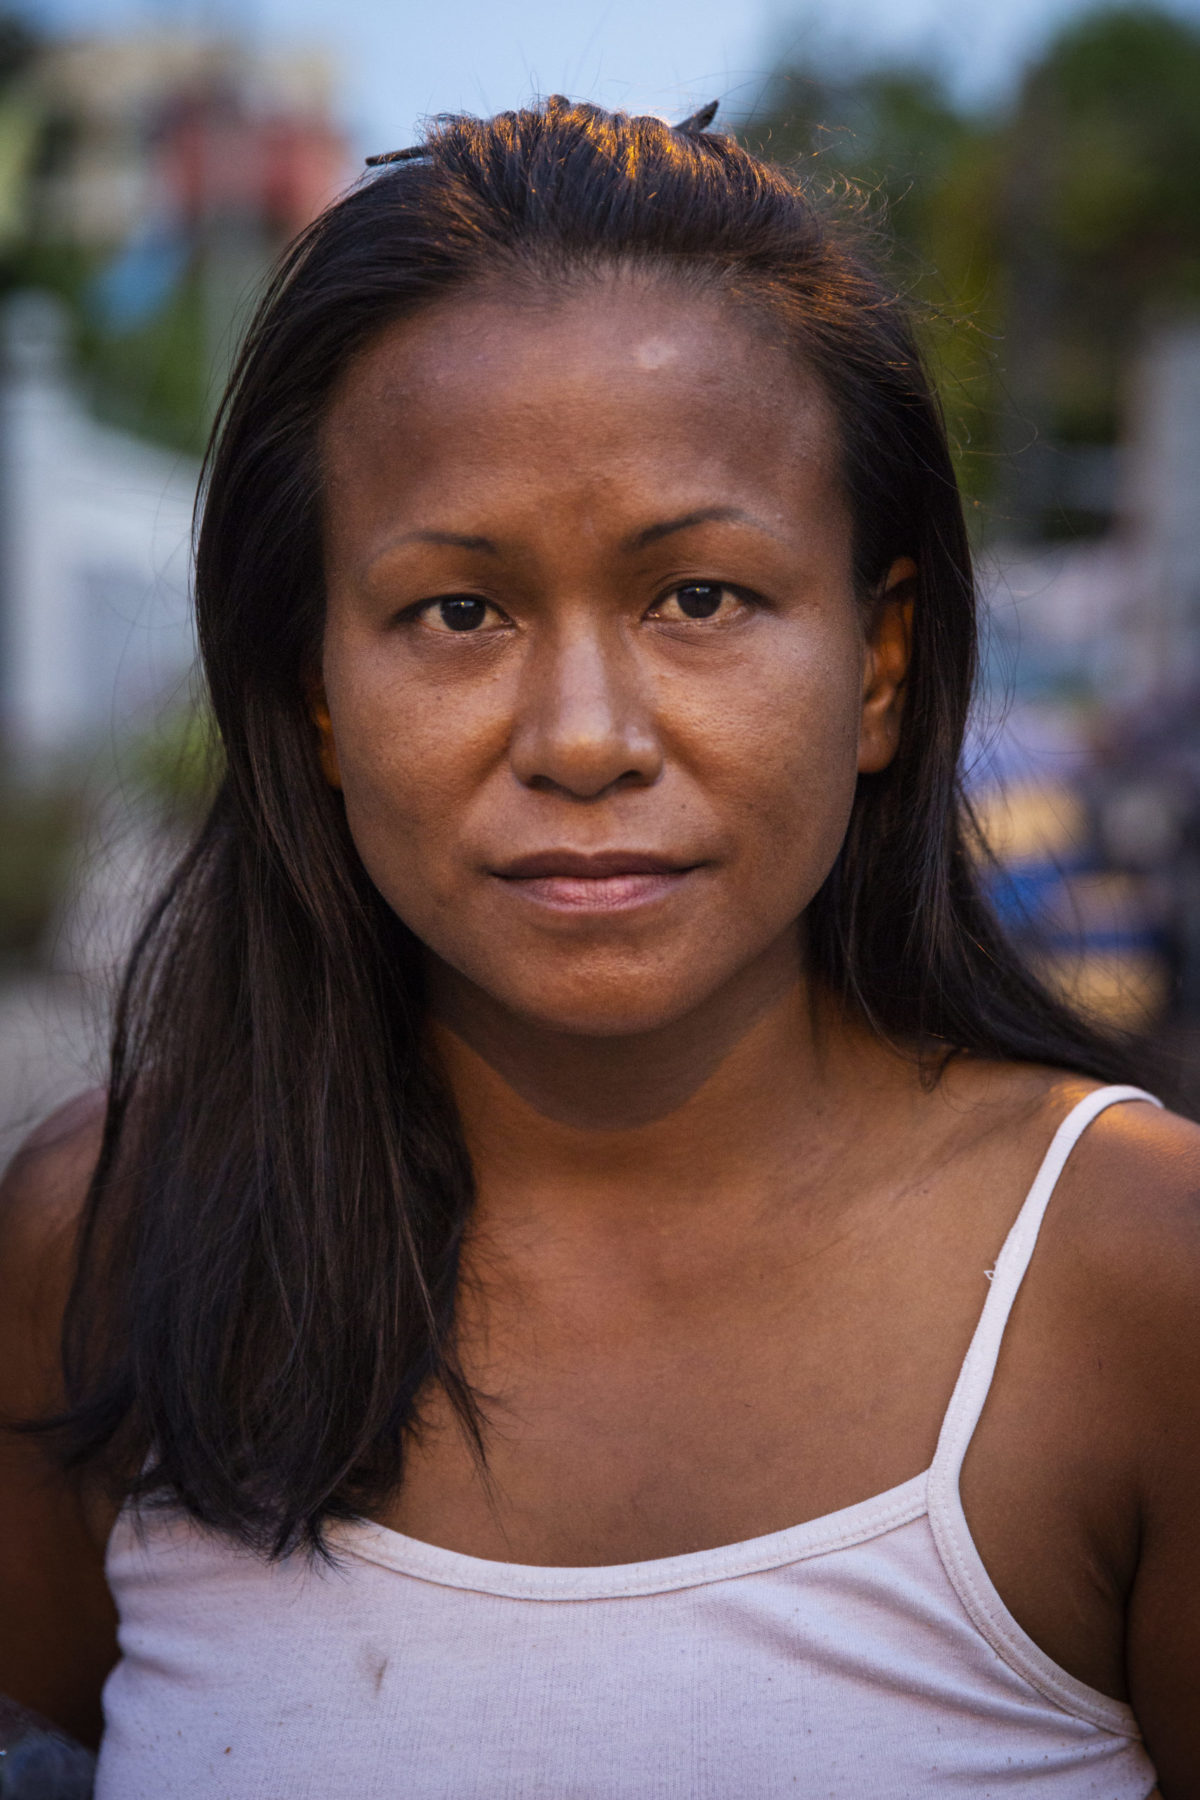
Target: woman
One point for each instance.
(572, 1114)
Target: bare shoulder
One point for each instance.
(1118, 1259)
(1131, 1202)
(1121, 1256)
(58, 1155)
(1131, 1184)
(57, 1630)
(41, 1200)
(1129, 1234)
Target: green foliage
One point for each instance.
(1105, 150)
(1036, 242)
(926, 174)
(154, 380)
(19, 45)
(176, 765)
(167, 774)
(39, 829)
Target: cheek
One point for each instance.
(410, 759)
(781, 745)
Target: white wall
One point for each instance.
(95, 537)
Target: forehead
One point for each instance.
(620, 393)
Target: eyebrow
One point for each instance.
(703, 515)
(640, 540)
(456, 540)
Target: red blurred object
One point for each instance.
(216, 161)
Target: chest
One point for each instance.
(783, 1390)
(622, 1435)
(682, 1383)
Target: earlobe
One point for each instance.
(885, 667)
(318, 712)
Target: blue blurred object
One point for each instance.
(1024, 895)
(139, 280)
(44, 1766)
(39, 1762)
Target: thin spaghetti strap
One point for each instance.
(979, 1364)
(951, 1533)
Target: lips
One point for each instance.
(594, 881)
(588, 865)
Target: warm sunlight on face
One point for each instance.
(598, 686)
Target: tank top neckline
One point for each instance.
(934, 1490)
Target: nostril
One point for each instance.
(585, 764)
(577, 789)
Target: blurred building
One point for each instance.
(1116, 618)
(174, 161)
(173, 129)
(95, 534)
(171, 169)
(1089, 785)
(1160, 506)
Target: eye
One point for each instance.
(459, 612)
(699, 600)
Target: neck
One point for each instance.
(762, 1076)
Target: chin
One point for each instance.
(596, 1007)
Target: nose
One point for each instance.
(585, 722)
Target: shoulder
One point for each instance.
(1132, 1215)
(57, 1632)
(1084, 1483)
(1123, 1233)
(41, 1201)
(1131, 1182)
(1132, 1189)
(1116, 1274)
(66, 1143)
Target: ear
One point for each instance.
(318, 712)
(886, 656)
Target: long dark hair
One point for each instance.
(269, 1256)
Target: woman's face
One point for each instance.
(596, 686)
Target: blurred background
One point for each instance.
(1038, 167)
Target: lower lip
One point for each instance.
(598, 894)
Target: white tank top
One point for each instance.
(861, 1656)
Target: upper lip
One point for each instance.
(590, 865)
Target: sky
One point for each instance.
(401, 60)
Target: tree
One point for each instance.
(1101, 218)
(1036, 241)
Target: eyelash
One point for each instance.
(743, 595)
